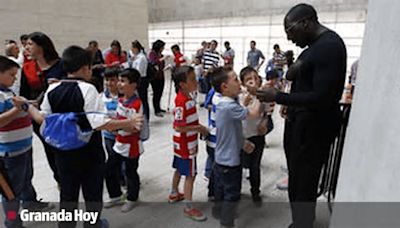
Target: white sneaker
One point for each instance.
(128, 206)
(114, 202)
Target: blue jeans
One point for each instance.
(227, 186)
(209, 170)
(19, 172)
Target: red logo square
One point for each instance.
(11, 215)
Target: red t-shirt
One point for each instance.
(185, 114)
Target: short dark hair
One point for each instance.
(180, 75)
(23, 37)
(49, 51)
(74, 58)
(214, 41)
(219, 76)
(302, 11)
(157, 45)
(253, 42)
(10, 42)
(93, 42)
(132, 75)
(6, 64)
(111, 72)
(245, 71)
(272, 74)
(176, 47)
(227, 43)
(276, 46)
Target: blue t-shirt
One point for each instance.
(228, 121)
(253, 57)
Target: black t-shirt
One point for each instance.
(318, 84)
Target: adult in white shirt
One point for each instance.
(138, 61)
(13, 52)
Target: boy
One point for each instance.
(212, 100)
(254, 131)
(227, 166)
(128, 145)
(15, 142)
(179, 59)
(83, 166)
(187, 127)
(110, 100)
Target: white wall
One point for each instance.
(265, 30)
(371, 157)
(75, 21)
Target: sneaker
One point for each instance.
(194, 214)
(283, 185)
(173, 198)
(104, 223)
(163, 111)
(128, 206)
(257, 200)
(159, 114)
(114, 202)
(39, 206)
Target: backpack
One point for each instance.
(62, 131)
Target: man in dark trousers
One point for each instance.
(313, 107)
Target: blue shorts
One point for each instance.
(185, 167)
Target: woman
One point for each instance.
(114, 57)
(98, 65)
(157, 60)
(42, 68)
(139, 62)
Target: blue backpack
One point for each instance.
(62, 131)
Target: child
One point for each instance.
(15, 142)
(110, 101)
(83, 166)
(227, 166)
(272, 81)
(254, 130)
(128, 145)
(212, 100)
(187, 127)
(179, 59)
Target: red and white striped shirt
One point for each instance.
(128, 144)
(185, 114)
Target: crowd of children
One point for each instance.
(235, 133)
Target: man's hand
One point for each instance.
(248, 147)
(136, 121)
(283, 112)
(267, 95)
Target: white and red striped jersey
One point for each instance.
(128, 144)
(185, 114)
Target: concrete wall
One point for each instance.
(175, 10)
(76, 21)
(371, 158)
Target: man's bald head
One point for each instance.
(300, 12)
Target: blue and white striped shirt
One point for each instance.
(213, 98)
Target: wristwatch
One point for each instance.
(25, 107)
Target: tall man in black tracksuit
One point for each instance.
(313, 120)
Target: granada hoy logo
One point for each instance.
(77, 215)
